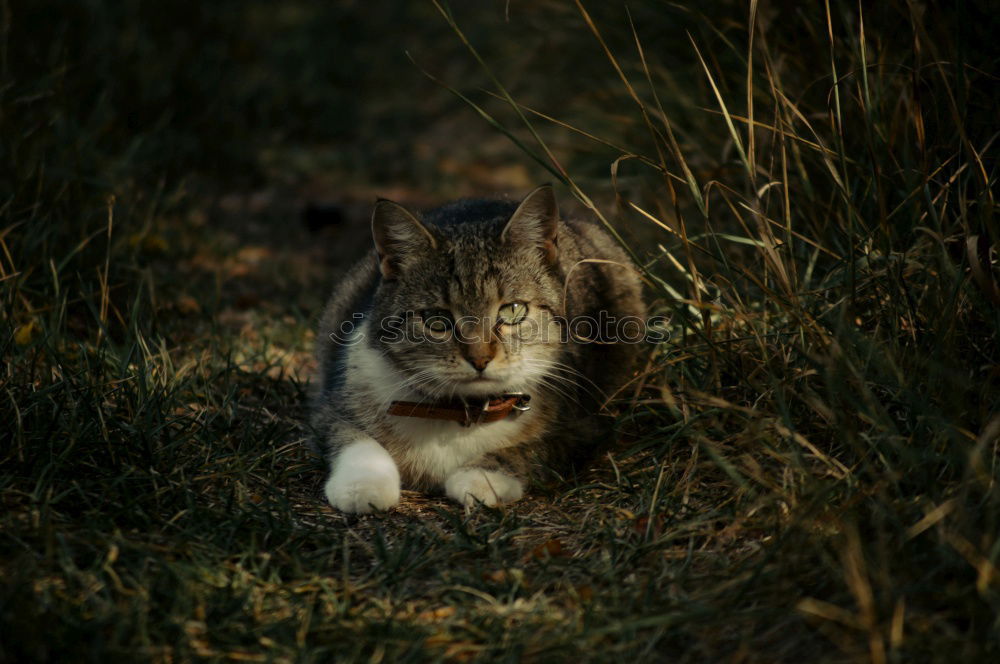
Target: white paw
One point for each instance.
(486, 486)
(364, 478)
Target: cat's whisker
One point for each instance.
(432, 395)
(591, 388)
(559, 366)
(568, 395)
(411, 382)
(550, 381)
(493, 246)
(550, 372)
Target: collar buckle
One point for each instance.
(521, 405)
(515, 402)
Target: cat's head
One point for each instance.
(470, 295)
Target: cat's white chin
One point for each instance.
(485, 388)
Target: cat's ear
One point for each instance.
(535, 221)
(398, 235)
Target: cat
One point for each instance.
(465, 353)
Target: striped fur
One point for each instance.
(469, 258)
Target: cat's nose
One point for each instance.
(479, 355)
(478, 362)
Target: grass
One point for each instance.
(808, 468)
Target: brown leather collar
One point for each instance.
(465, 413)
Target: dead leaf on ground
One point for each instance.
(653, 526)
(187, 305)
(437, 614)
(503, 576)
(454, 651)
(552, 548)
(25, 333)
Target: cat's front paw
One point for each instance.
(363, 495)
(472, 485)
(364, 479)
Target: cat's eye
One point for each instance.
(512, 313)
(436, 320)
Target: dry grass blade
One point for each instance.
(737, 141)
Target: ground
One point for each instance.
(806, 469)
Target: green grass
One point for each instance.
(808, 469)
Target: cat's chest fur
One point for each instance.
(426, 450)
(471, 302)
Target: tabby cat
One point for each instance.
(472, 351)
